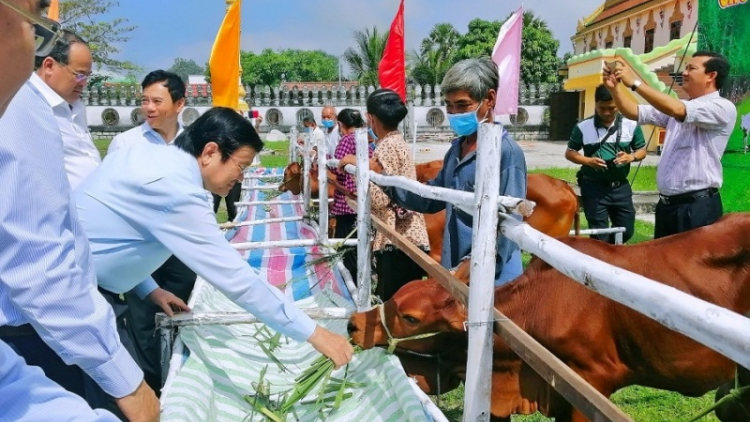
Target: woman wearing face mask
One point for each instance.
(470, 90)
(346, 219)
(392, 156)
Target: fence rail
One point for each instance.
(297, 95)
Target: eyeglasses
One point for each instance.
(47, 31)
(242, 169)
(80, 77)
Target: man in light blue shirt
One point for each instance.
(161, 102)
(47, 285)
(145, 203)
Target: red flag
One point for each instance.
(392, 67)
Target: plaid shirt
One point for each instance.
(346, 146)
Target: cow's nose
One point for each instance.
(351, 328)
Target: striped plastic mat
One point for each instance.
(225, 363)
(221, 364)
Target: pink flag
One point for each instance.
(507, 55)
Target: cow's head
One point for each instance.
(420, 307)
(292, 181)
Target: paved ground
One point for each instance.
(539, 154)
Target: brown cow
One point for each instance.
(292, 181)
(608, 344)
(555, 213)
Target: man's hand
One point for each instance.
(332, 345)
(624, 158)
(596, 163)
(140, 406)
(168, 302)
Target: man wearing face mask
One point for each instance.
(470, 89)
(330, 129)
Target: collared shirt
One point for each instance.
(691, 158)
(317, 138)
(46, 273)
(458, 173)
(140, 134)
(146, 203)
(589, 134)
(26, 394)
(81, 155)
(332, 140)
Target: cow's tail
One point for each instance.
(577, 223)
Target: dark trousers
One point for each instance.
(233, 196)
(28, 344)
(345, 224)
(676, 218)
(604, 203)
(175, 277)
(394, 269)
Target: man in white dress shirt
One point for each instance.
(61, 77)
(330, 129)
(161, 103)
(689, 174)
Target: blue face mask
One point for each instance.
(372, 134)
(464, 124)
(327, 123)
(308, 129)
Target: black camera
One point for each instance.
(612, 165)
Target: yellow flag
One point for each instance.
(225, 60)
(54, 11)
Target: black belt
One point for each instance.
(21, 330)
(611, 184)
(687, 198)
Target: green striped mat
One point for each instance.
(225, 363)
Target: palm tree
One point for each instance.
(436, 55)
(365, 57)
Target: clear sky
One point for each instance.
(168, 29)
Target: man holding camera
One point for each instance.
(610, 142)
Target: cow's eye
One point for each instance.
(410, 319)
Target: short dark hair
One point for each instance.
(602, 94)
(61, 50)
(169, 80)
(221, 125)
(387, 106)
(308, 119)
(350, 117)
(717, 63)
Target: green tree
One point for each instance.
(267, 67)
(186, 67)
(84, 18)
(365, 56)
(539, 47)
(435, 56)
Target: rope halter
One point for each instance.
(392, 341)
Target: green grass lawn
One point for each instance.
(643, 180)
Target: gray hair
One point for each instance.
(475, 76)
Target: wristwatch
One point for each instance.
(635, 85)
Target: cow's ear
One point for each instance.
(463, 271)
(458, 316)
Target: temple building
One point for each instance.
(654, 37)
